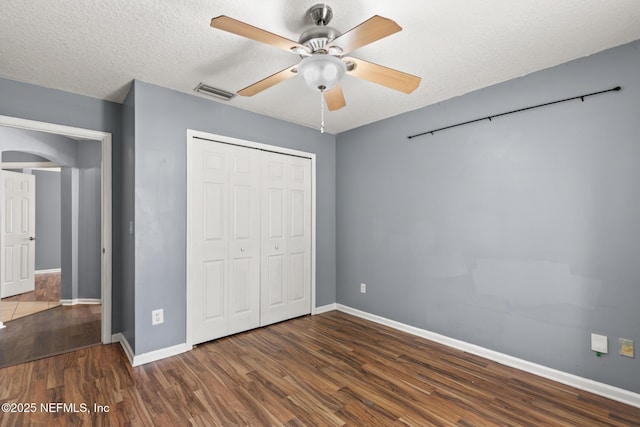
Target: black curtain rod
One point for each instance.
(581, 97)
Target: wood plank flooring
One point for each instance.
(47, 287)
(50, 332)
(328, 370)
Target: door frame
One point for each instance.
(194, 134)
(106, 204)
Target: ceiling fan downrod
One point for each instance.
(321, 14)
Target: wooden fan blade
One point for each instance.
(384, 76)
(254, 33)
(267, 82)
(334, 98)
(371, 30)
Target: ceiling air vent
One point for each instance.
(214, 91)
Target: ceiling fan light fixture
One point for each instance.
(322, 72)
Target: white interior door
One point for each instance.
(17, 237)
(286, 238)
(224, 239)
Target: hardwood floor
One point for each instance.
(50, 332)
(46, 295)
(330, 369)
(47, 288)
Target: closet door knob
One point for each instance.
(32, 238)
(277, 247)
(241, 249)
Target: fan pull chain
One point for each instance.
(321, 112)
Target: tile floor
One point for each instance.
(11, 310)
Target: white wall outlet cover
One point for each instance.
(599, 343)
(157, 317)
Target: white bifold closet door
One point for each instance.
(225, 239)
(250, 238)
(286, 238)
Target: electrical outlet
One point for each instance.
(157, 317)
(363, 288)
(626, 347)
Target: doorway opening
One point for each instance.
(30, 264)
(104, 175)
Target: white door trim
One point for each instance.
(266, 147)
(106, 220)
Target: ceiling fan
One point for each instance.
(323, 50)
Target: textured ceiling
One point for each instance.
(97, 47)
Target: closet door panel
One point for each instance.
(274, 289)
(286, 187)
(224, 239)
(244, 242)
(274, 283)
(209, 240)
(299, 237)
(214, 284)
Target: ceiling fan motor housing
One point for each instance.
(317, 37)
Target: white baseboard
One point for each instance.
(152, 356)
(77, 301)
(49, 271)
(128, 351)
(324, 309)
(601, 389)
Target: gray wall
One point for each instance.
(519, 235)
(89, 219)
(162, 117)
(53, 106)
(20, 156)
(81, 223)
(48, 219)
(69, 203)
(29, 145)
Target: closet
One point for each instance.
(249, 238)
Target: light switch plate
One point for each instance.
(626, 347)
(599, 343)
